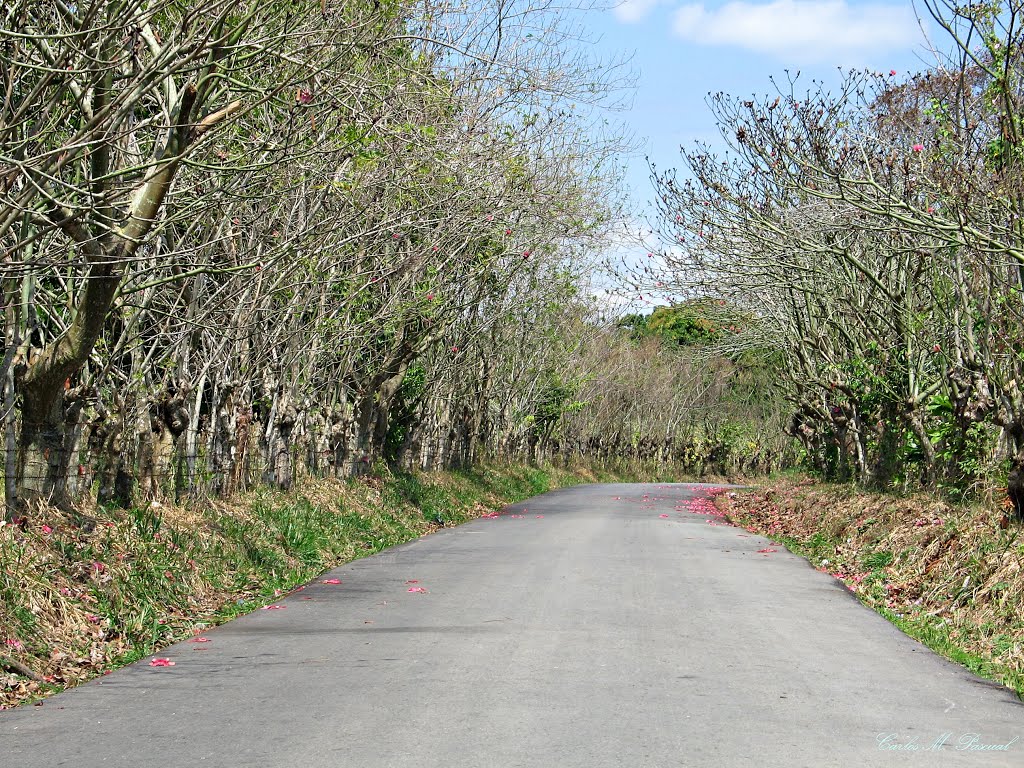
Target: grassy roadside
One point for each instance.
(83, 593)
(948, 576)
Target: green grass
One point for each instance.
(130, 582)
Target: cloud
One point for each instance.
(801, 30)
(632, 11)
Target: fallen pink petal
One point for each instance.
(271, 607)
(161, 663)
(416, 589)
(199, 640)
(330, 581)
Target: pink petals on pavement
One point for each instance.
(766, 551)
(416, 589)
(663, 516)
(330, 581)
(272, 608)
(161, 663)
(199, 640)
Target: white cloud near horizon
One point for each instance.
(800, 30)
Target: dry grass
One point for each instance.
(85, 591)
(948, 575)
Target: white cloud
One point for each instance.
(801, 30)
(632, 11)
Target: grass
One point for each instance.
(88, 591)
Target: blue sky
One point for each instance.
(683, 50)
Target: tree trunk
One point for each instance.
(42, 444)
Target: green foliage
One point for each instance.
(555, 399)
(405, 410)
(692, 323)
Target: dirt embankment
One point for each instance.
(950, 576)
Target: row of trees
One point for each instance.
(242, 239)
(873, 240)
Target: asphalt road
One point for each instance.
(593, 626)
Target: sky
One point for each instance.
(683, 50)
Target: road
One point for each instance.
(605, 625)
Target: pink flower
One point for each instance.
(161, 663)
(47, 529)
(918, 147)
(892, 72)
(305, 96)
(508, 231)
(430, 297)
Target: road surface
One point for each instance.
(604, 625)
